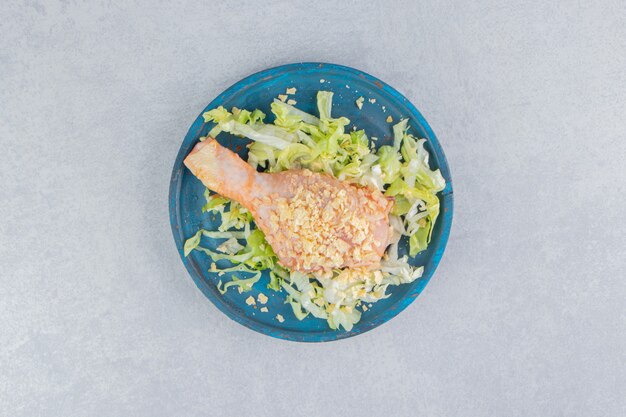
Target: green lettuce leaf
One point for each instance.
(244, 284)
(389, 163)
(192, 243)
(298, 140)
(290, 117)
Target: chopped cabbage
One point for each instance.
(297, 140)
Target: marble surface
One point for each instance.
(525, 316)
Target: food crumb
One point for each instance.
(347, 86)
(240, 290)
(374, 138)
(322, 80)
(220, 273)
(384, 109)
(291, 90)
(213, 267)
(250, 301)
(389, 119)
(359, 102)
(282, 97)
(262, 298)
(280, 318)
(264, 309)
(372, 100)
(364, 307)
(291, 102)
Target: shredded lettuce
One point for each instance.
(324, 104)
(399, 133)
(230, 247)
(249, 125)
(389, 163)
(296, 140)
(289, 117)
(192, 243)
(243, 284)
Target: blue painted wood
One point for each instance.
(257, 91)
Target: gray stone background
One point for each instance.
(525, 316)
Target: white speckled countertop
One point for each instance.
(526, 313)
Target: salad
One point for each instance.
(321, 143)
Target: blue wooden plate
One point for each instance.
(258, 91)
